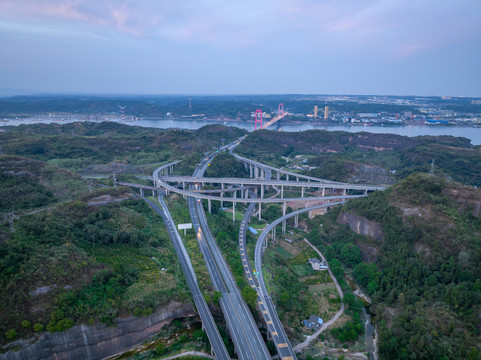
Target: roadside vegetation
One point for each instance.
(423, 274)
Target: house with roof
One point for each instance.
(317, 264)
(314, 322)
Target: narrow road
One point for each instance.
(324, 326)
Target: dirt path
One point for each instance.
(306, 343)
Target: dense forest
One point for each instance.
(420, 263)
(89, 260)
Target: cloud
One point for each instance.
(397, 27)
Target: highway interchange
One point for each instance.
(245, 334)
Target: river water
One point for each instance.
(472, 133)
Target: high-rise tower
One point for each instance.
(326, 112)
(315, 111)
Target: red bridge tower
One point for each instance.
(258, 119)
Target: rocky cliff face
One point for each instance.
(98, 341)
(361, 225)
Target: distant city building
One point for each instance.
(326, 112)
(315, 111)
(476, 102)
(368, 115)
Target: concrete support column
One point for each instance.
(296, 221)
(262, 191)
(250, 171)
(284, 208)
(282, 191)
(256, 172)
(222, 195)
(365, 192)
(233, 206)
(278, 176)
(141, 192)
(323, 191)
(260, 209)
(302, 191)
(287, 177)
(209, 206)
(344, 192)
(297, 178)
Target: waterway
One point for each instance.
(472, 133)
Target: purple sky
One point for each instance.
(399, 47)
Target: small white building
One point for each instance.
(317, 264)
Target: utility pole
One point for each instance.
(90, 184)
(9, 218)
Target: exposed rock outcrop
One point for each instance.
(97, 341)
(114, 167)
(361, 225)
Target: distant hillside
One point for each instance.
(79, 145)
(340, 155)
(416, 250)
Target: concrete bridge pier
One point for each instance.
(141, 192)
(323, 191)
(287, 177)
(278, 176)
(282, 191)
(233, 207)
(222, 195)
(284, 208)
(260, 210)
(302, 191)
(365, 192)
(209, 206)
(256, 172)
(296, 221)
(250, 171)
(262, 191)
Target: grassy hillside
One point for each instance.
(99, 257)
(29, 184)
(340, 155)
(419, 259)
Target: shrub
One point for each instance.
(38, 327)
(11, 334)
(26, 324)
